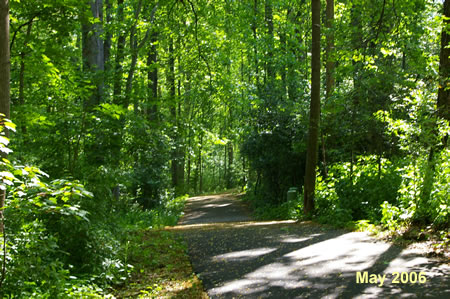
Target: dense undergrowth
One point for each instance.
(399, 183)
(60, 241)
(54, 249)
(378, 195)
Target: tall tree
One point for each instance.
(135, 46)
(134, 53)
(108, 37)
(314, 112)
(93, 47)
(118, 68)
(175, 161)
(254, 27)
(443, 102)
(330, 69)
(152, 59)
(443, 110)
(330, 64)
(5, 63)
(4, 96)
(268, 15)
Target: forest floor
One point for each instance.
(236, 257)
(161, 268)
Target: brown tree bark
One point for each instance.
(294, 43)
(230, 152)
(330, 64)
(134, 54)
(173, 113)
(93, 49)
(108, 37)
(314, 114)
(181, 147)
(22, 73)
(135, 46)
(118, 69)
(5, 65)
(255, 39)
(22, 65)
(152, 59)
(443, 101)
(443, 106)
(200, 164)
(330, 69)
(357, 44)
(268, 15)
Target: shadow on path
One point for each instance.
(284, 259)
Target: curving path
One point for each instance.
(236, 257)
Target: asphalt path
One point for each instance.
(236, 257)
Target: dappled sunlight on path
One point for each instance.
(213, 209)
(285, 259)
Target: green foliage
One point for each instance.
(398, 190)
(147, 150)
(168, 213)
(391, 216)
(341, 198)
(440, 194)
(365, 225)
(292, 209)
(236, 112)
(61, 245)
(275, 160)
(54, 246)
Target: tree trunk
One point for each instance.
(297, 57)
(108, 37)
(229, 180)
(443, 106)
(443, 102)
(22, 75)
(314, 114)
(324, 158)
(93, 51)
(134, 55)
(283, 69)
(188, 181)
(200, 158)
(230, 165)
(135, 47)
(330, 69)
(244, 178)
(357, 44)
(173, 113)
(255, 39)
(181, 148)
(118, 69)
(22, 65)
(225, 166)
(330, 64)
(152, 110)
(117, 91)
(5, 65)
(268, 12)
(93, 66)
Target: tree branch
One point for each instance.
(19, 28)
(200, 54)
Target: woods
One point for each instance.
(123, 107)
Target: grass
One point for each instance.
(161, 268)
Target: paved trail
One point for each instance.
(239, 258)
